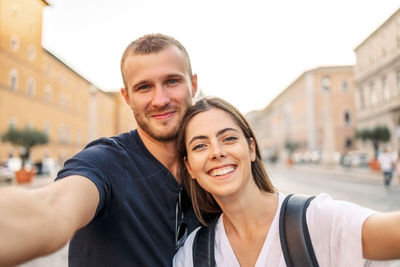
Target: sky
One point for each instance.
(245, 51)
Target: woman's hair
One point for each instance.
(204, 204)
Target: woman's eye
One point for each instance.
(199, 146)
(230, 138)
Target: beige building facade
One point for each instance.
(40, 91)
(377, 81)
(316, 113)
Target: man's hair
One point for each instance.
(153, 43)
(203, 202)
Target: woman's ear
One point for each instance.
(187, 165)
(252, 149)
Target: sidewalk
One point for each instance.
(38, 181)
(360, 173)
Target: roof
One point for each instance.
(379, 28)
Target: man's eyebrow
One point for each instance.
(173, 75)
(220, 132)
(140, 83)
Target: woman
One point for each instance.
(221, 168)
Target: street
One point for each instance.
(361, 188)
(345, 186)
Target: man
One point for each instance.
(117, 197)
(386, 162)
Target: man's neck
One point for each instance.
(165, 152)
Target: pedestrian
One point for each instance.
(397, 166)
(386, 163)
(117, 198)
(221, 167)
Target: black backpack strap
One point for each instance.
(203, 246)
(295, 239)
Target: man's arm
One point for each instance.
(381, 236)
(36, 222)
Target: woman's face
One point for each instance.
(218, 154)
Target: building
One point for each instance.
(39, 90)
(314, 116)
(377, 81)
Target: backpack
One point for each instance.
(293, 231)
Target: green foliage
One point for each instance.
(291, 146)
(26, 138)
(377, 135)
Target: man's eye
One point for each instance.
(172, 81)
(143, 87)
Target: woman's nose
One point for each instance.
(217, 152)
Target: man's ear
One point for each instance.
(252, 149)
(187, 165)
(125, 95)
(194, 84)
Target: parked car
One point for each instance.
(6, 174)
(355, 158)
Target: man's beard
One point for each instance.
(159, 135)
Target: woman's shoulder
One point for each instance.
(184, 255)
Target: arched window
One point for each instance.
(47, 93)
(13, 79)
(14, 42)
(347, 118)
(31, 87)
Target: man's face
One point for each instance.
(159, 91)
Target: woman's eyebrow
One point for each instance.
(225, 130)
(220, 132)
(197, 138)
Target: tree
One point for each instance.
(291, 146)
(26, 138)
(378, 135)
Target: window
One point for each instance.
(13, 80)
(326, 83)
(12, 123)
(348, 143)
(347, 118)
(385, 90)
(373, 95)
(15, 8)
(359, 98)
(398, 82)
(31, 87)
(48, 69)
(47, 128)
(14, 42)
(78, 138)
(31, 52)
(61, 102)
(367, 100)
(47, 93)
(345, 85)
(61, 134)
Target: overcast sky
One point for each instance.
(244, 51)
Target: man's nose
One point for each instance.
(160, 97)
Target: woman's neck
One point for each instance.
(247, 222)
(248, 214)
